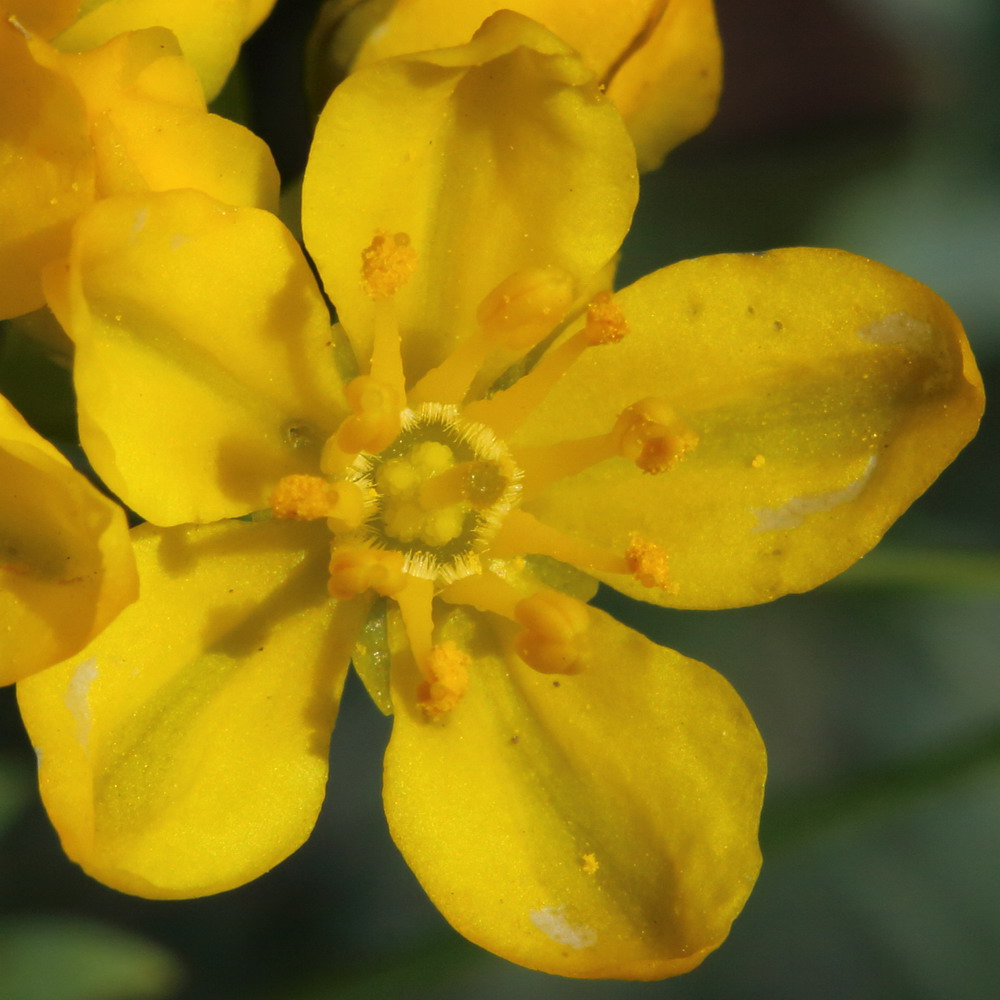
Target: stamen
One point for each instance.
(543, 465)
(555, 629)
(651, 435)
(355, 570)
(374, 425)
(415, 601)
(522, 533)
(648, 433)
(606, 323)
(649, 564)
(308, 498)
(507, 410)
(555, 624)
(387, 264)
(449, 382)
(521, 310)
(484, 592)
(525, 307)
(447, 671)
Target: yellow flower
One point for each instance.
(660, 61)
(128, 115)
(210, 32)
(66, 566)
(419, 488)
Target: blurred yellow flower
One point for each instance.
(128, 115)
(420, 488)
(210, 32)
(660, 61)
(66, 566)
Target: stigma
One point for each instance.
(441, 491)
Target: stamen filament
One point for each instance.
(415, 602)
(543, 465)
(387, 358)
(484, 592)
(507, 410)
(522, 533)
(449, 382)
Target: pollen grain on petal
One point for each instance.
(387, 264)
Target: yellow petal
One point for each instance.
(827, 392)
(599, 825)
(66, 566)
(185, 751)
(150, 127)
(431, 146)
(204, 365)
(660, 60)
(210, 31)
(46, 170)
(668, 88)
(45, 17)
(599, 33)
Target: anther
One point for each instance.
(353, 571)
(446, 669)
(373, 426)
(648, 563)
(309, 498)
(606, 323)
(555, 626)
(387, 264)
(651, 435)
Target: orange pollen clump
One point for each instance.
(651, 435)
(303, 498)
(648, 563)
(606, 323)
(387, 264)
(309, 498)
(353, 571)
(554, 624)
(446, 670)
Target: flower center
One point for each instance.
(440, 492)
(420, 491)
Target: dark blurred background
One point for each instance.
(870, 125)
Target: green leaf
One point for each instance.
(45, 958)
